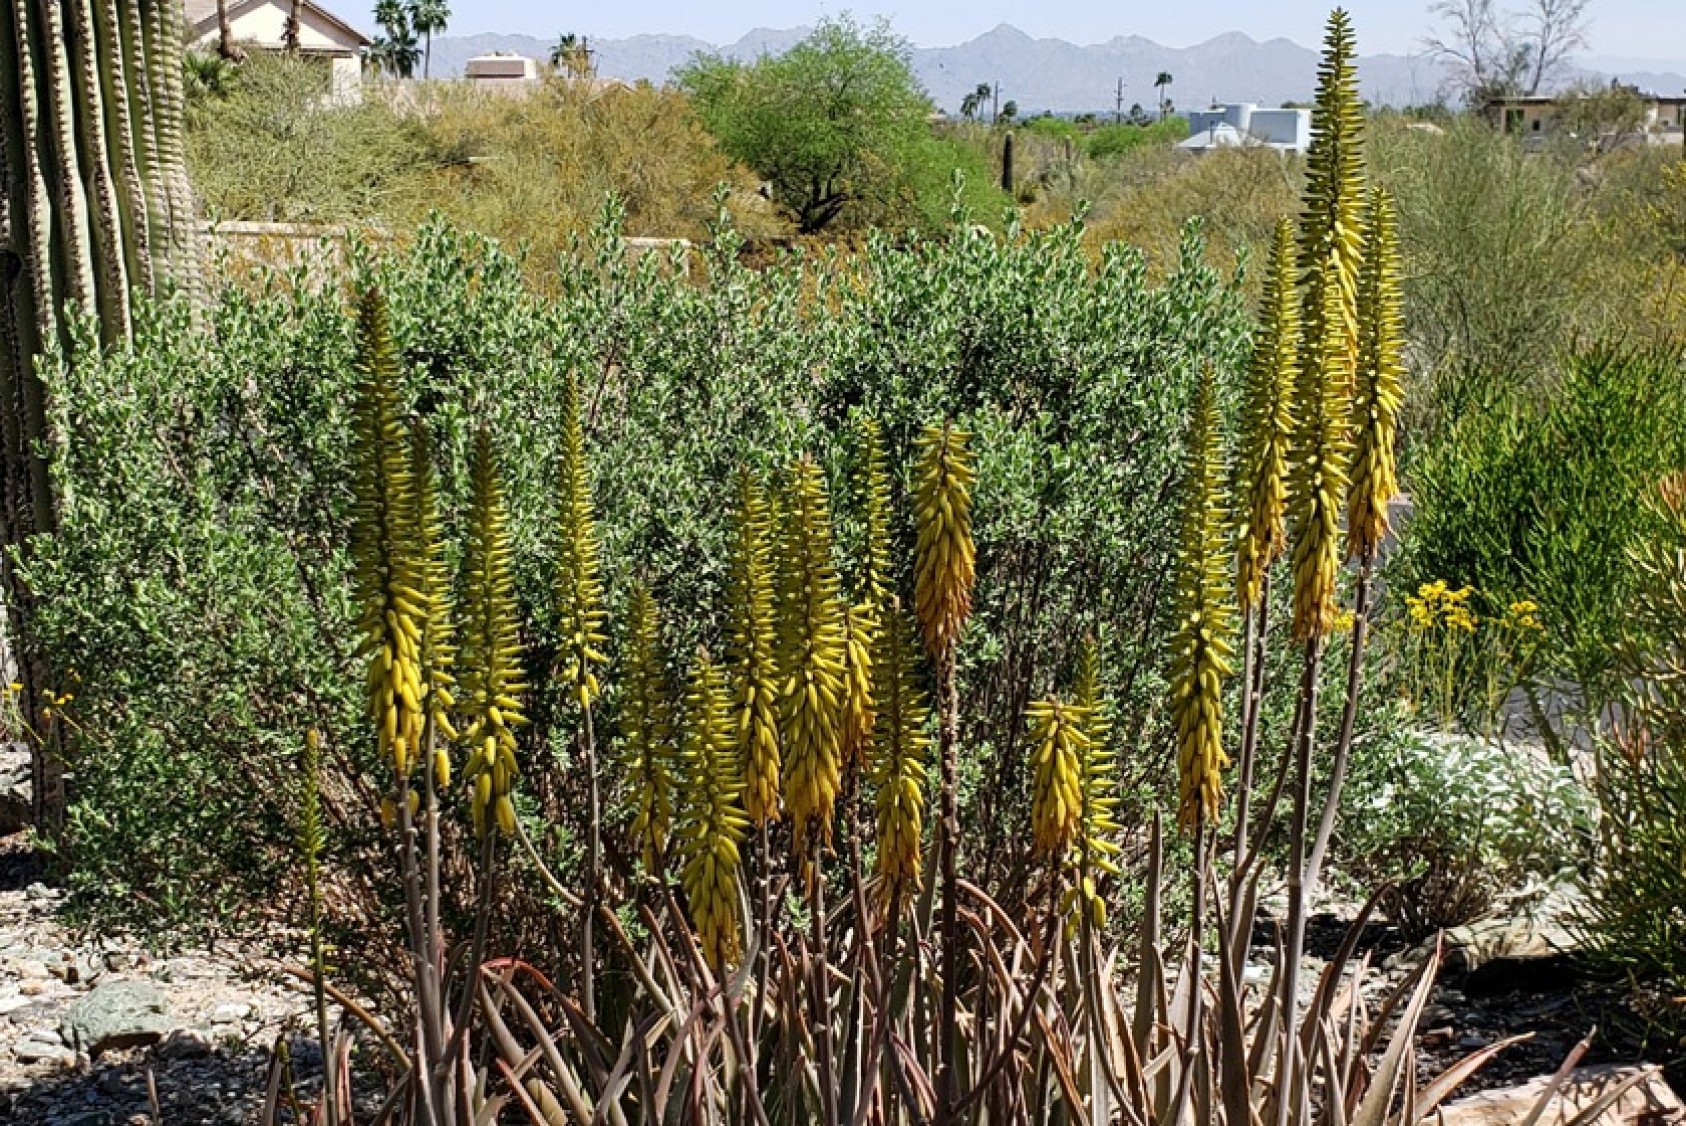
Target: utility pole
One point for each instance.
(1118, 103)
(995, 102)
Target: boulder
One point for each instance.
(1650, 1102)
(115, 1015)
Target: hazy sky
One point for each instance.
(1653, 29)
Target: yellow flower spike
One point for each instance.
(944, 561)
(1381, 344)
(714, 822)
(1330, 255)
(1331, 223)
(1200, 650)
(435, 648)
(1317, 487)
(872, 499)
(754, 650)
(860, 628)
(579, 591)
(811, 701)
(389, 554)
(900, 748)
(646, 725)
(491, 649)
(1056, 807)
(1098, 826)
(1267, 423)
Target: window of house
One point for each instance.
(1536, 125)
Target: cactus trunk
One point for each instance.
(93, 201)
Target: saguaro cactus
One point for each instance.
(95, 203)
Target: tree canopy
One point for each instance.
(834, 125)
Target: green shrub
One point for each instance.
(1540, 498)
(263, 145)
(1634, 918)
(199, 588)
(1453, 823)
(838, 125)
(1116, 140)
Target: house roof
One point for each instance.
(202, 16)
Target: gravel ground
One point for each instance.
(207, 1051)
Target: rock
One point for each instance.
(117, 1014)
(12, 1004)
(39, 1051)
(1649, 1103)
(30, 969)
(230, 1012)
(17, 802)
(35, 1012)
(185, 1044)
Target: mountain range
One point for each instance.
(1052, 74)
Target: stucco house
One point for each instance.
(1239, 124)
(262, 25)
(1536, 117)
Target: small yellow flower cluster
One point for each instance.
(1524, 614)
(1437, 606)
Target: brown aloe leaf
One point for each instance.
(1453, 1077)
(1232, 1037)
(1559, 1077)
(1373, 1110)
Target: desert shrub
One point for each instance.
(198, 587)
(265, 144)
(1118, 139)
(1539, 498)
(838, 126)
(534, 170)
(1515, 255)
(1453, 823)
(1634, 918)
(1143, 198)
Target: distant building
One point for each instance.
(1243, 124)
(509, 73)
(1534, 118)
(262, 25)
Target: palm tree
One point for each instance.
(1163, 80)
(290, 35)
(572, 54)
(226, 46)
(427, 17)
(397, 52)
